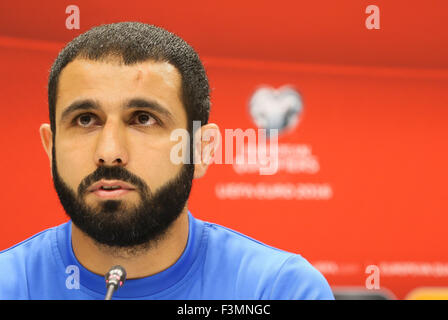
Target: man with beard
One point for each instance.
(116, 93)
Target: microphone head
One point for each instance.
(116, 276)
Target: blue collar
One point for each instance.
(143, 287)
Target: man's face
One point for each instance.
(113, 126)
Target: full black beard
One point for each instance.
(113, 223)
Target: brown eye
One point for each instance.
(145, 119)
(85, 120)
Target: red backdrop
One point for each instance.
(374, 119)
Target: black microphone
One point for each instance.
(114, 279)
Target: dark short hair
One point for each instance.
(137, 42)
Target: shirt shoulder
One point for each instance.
(23, 261)
(260, 271)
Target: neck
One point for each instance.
(139, 262)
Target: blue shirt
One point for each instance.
(217, 263)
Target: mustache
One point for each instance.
(113, 173)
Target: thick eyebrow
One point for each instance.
(89, 104)
(85, 104)
(152, 105)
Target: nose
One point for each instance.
(111, 145)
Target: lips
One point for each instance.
(110, 188)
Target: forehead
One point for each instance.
(111, 82)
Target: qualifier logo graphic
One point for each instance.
(276, 108)
(279, 110)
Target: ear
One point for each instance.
(46, 135)
(206, 142)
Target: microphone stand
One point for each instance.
(115, 279)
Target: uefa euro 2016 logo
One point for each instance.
(276, 108)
